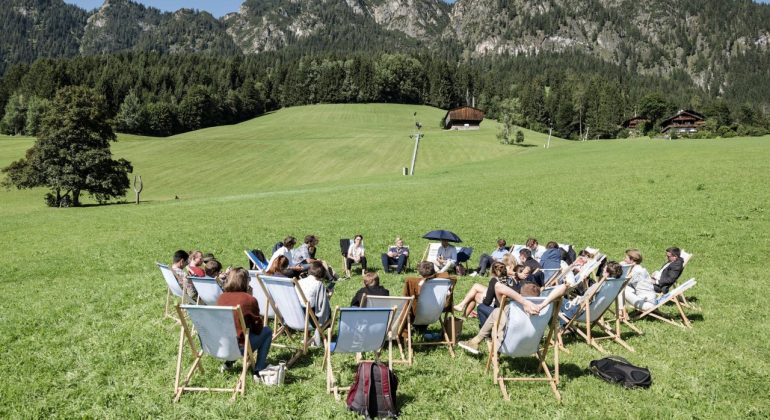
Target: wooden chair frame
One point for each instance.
(403, 323)
(280, 329)
(186, 335)
(494, 358)
(673, 297)
(612, 329)
(331, 381)
(442, 320)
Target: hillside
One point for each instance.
(83, 280)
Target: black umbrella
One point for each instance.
(442, 235)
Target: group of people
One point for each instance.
(511, 276)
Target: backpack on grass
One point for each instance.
(373, 393)
(617, 370)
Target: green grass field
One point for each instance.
(81, 330)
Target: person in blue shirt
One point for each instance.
(486, 260)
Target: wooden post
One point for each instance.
(138, 187)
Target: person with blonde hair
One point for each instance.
(640, 291)
(371, 288)
(237, 293)
(195, 262)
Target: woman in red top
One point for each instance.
(196, 261)
(236, 292)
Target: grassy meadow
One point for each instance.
(81, 329)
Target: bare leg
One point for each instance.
(475, 295)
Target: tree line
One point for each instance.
(576, 95)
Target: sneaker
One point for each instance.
(475, 274)
(469, 346)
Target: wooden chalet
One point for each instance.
(463, 118)
(635, 123)
(684, 122)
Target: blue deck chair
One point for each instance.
(360, 330)
(174, 290)
(430, 306)
(672, 296)
(261, 265)
(218, 338)
(522, 336)
(591, 313)
(401, 321)
(292, 312)
(208, 289)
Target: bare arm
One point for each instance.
(556, 293)
(503, 290)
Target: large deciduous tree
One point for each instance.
(72, 153)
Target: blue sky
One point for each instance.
(217, 8)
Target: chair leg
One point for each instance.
(551, 380)
(685, 320)
(501, 382)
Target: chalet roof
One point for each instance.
(637, 118)
(683, 113)
(464, 113)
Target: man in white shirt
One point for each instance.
(446, 257)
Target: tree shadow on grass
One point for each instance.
(525, 145)
(116, 203)
(528, 366)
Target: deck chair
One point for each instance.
(360, 330)
(522, 337)
(463, 256)
(401, 321)
(430, 307)
(208, 289)
(591, 314)
(292, 312)
(344, 246)
(260, 296)
(549, 274)
(686, 256)
(261, 265)
(173, 290)
(218, 338)
(671, 296)
(431, 254)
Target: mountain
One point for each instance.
(718, 45)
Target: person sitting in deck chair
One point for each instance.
(664, 278)
(317, 295)
(397, 255)
(525, 258)
(356, 254)
(412, 286)
(278, 267)
(446, 257)
(237, 292)
(551, 258)
(285, 250)
(179, 263)
(305, 255)
(371, 288)
(486, 260)
(612, 270)
(485, 297)
(640, 292)
(502, 289)
(195, 266)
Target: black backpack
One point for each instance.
(617, 370)
(373, 393)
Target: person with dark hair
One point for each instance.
(551, 258)
(413, 285)
(397, 254)
(525, 258)
(178, 265)
(612, 270)
(317, 296)
(486, 260)
(213, 269)
(356, 254)
(237, 293)
(371, 288)
(535, 247)
(278, 267)
(664, 278)
(640, 292)
(484, 297)
(285, 250)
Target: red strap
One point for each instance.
(385, 381)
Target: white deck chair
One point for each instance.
(522, 337)
(592, 311)
(260, 296)
(549, 275)
(671, 296)
(173, 290)
(686, 256)
(208, 289)
(292, 312)
(430, 306)
(218, 338)
(360, 330)
(401, 321)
